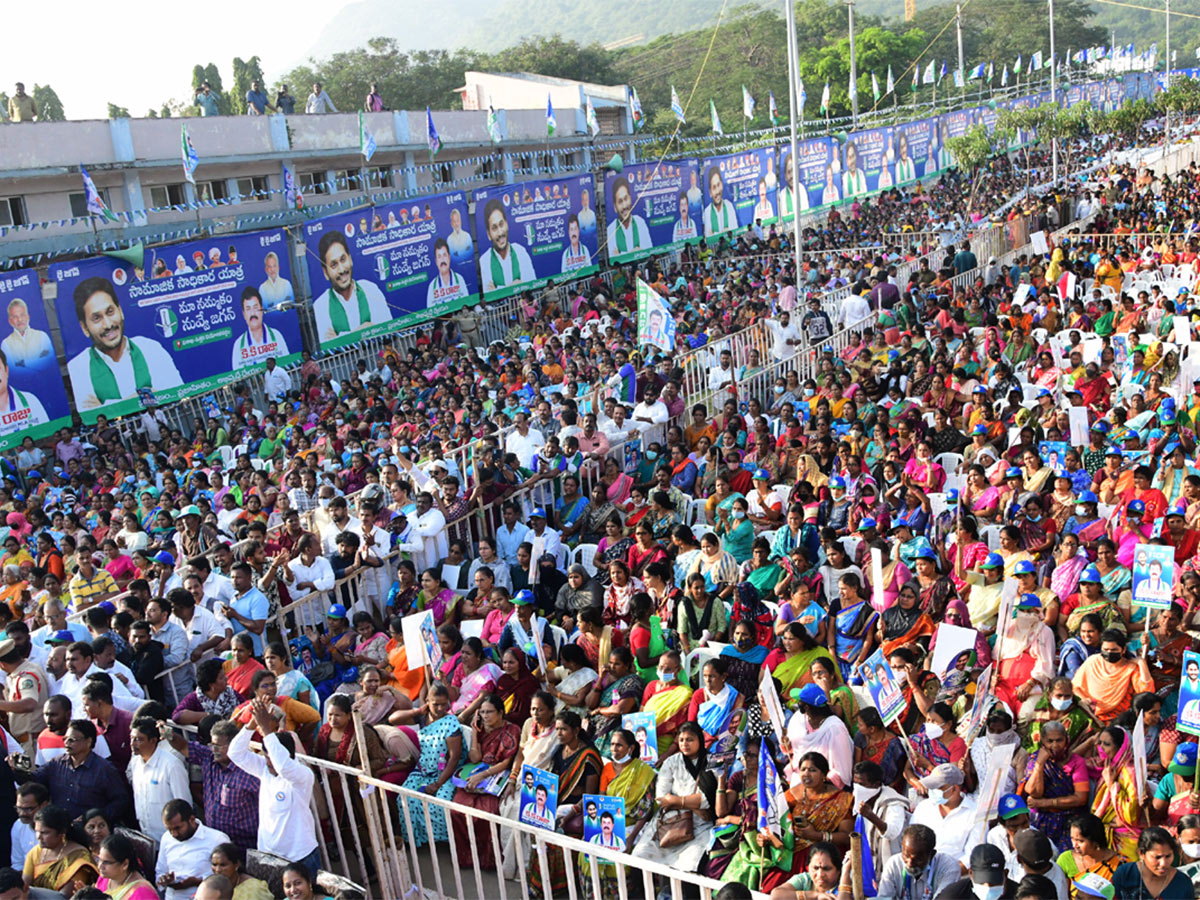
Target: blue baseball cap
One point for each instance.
(837, 482)
(813, 695)
(1025, 567)
(1087, 497)
(1179, 509)
(523, 598)
(993, 561)
(1184, 760)
(952, 495)
(867, 523)
(924, 552)
(1090, 575)
(336, 611)
(33, 473)
(1029, 601)
(61, 637)
(162, 556)
(979, 389)
(1013, 472)
(1011, 806)
(762, 475)
(980, 429)
(1115, 451)
(1136, 506)
(537, 513)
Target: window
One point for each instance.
(164, 195)
(347, 180)
(443, 174)
(313, 183)
(252, 188)
(547, 162)
(12, 211)
(79, 202)
(212, 190)
(486, 169)
(379, 178)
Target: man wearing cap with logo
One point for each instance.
(815, 728)
(948, 811)
(1026, 657)
(193, 538)
(26, 689)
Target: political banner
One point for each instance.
(998, 769)
(376, 270)
(1189, 694)
(952, 125)
(952, 654)
(914, 147)
(1054, 454)
(736, 193)
(656, 325)
(167, 330)
(645, 732)
(865, 158)
(818, 186)
(652, 208)
(1153, 575)
(877, 674)
(604, 821)
(539, 797)
(535, 233)
(33, 398)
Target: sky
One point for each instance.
(140, 54)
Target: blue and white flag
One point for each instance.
(191, 159)
(95, 203)
(870, 878)
(493, 125)
(825, 99)
(928, 75)
(435, 140)
(716, 120)
(366, 140)
(942, 73)
(593, 124)
(978, 71)
(677, 107)
(551, 122)
(772, 809)
(803, 98)
(748, 104)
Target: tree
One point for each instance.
(50, 108)
(557, 58)
(152, 113)
(971, 151)
(245, 73)
(117, 112)
(212, 75)
(165, 111)
(1182, 97)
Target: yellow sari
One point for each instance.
(59, 873)
(669, 706)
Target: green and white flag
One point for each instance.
(891, 84)
(1004, 76)
(677, 107)
(493, 124)
(991, 72)
(928, 76)
(875, 87)
(748, 104)
(916, 79)
(825, 99)
(551, 123)
(366, 140)
(593, 123)
(716, 120)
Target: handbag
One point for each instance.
(675, 827)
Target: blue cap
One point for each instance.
(1184, 760)
(837, 482)
(1136, 506)
(1010, 806)
(952, 495)
(33, 473)
(1090, 575)
(1087, 497)
(893, 354)
(866, 523)
(1029, 601)
(762, 475)
(979, 429)
(61, 637)
(1043, 392)
(523, 598)
(1013, 472)
(162, 556)
(924, 552)
(1115, 451)
(979, 389)
(993, 561)
(538, 513)
(1025, 567)
(1100, 427)
(813, 695)
(1179, 509)
(107, 606)
(336, 611)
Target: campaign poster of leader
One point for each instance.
(652, 208)
(193, 317)
(382, 268)
(535, 233)
(33, 397)
(736, 192)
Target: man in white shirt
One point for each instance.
(815, 727)
(275, 291)
(722, 376)
(552, 542)
(626, 232)
(25, 345)
(650, 417)
(787, 336)
(348, 305)
(276, 382)
(920, 869)
(511, 534)
(31, 796)
(206, 631)
(1036, 855)
(339, 513)
(884, 811)
(285, 822)
(157, 774)
(504, 263)
(428, 525)
(524, 441)
(853, 309)
(81, 664)
(947, 810)
(318, 101)
(185, 851)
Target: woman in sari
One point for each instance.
(895, 573)
(370, 648)
(1088, 851)
(230, 860)
(616, 692)
(645, 550)
(411, 682)
(121, 880)
(56, 862)
(791, 665)
(436, 595)
(288, 681)
(667, 697)
(593, 523)
(618, 597)
(631, 779)
(578, 766)
(933, 744)
(596, 638)
(492, 753)
(375, 702)
(875, 743)
(516, 686)
(1069, 562)
(614, 546)
(745, 854)
(979, 497)
(842, 701)
(905, 622)
(574, 680)
(449, 669)
(820, 812)
(242, 665)
(714, 706)
(853, 634)
(678, 791)
(617, 485)
(1035, 472)
(1056, 784)
(922, 472)
(1115, 802)
(473, 679)
(646, 639)
(538, 741)
(441, 744)
(720, 569)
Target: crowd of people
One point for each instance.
(168, 698)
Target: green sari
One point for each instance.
(765, 578)
(795, 671)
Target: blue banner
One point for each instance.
(736, 192)
(535, 233)
(865, 162)
(652, 208)
(33, 398)
(815, 170)
(913, 150)
(198, 315)
(952, 125)
(377, 270)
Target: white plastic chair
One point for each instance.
(585, 555)
(851, 543)
(702, 529)
(697, 658)
(784, 491)
(695, 511)
(471, 628)
(769, 536)
(991, 534)
(227, 456)
(949, 461)
(559, 637)
(938, 503)
(773, 607)
(1030, 392)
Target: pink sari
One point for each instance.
(1064, 580)
(620, 490)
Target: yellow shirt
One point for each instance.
(84, 591)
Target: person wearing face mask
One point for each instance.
(1059, 705)
(1188, 832)
(1024, 657)
(1106, 682)
(667, 697)
(946, 810)
(920, 870)
(884, 812)
(987, 879)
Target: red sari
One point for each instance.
(495, 746)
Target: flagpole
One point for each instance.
(793, 88)
(1054, 95)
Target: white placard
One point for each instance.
(1182, 326)
(771, 705)
(1021, 293)
(952, 640)
(410, 631)
(1038, 240)
(1066, 286)
(1056, 350)
(450, 574)
(1140, 770)
(1078, 416)
(539, 547)
(877, 577)
(999, 765)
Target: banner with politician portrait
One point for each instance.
(376, 270)
(535, 233)
(1188, 719)
(652, 208)
(196, 316)
(604, 821)
(33, 398)
(1153, 575)
(538, 803)
(865, 158)
(886, 691)
(815, 170)
(913, 145)
(736, 192)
